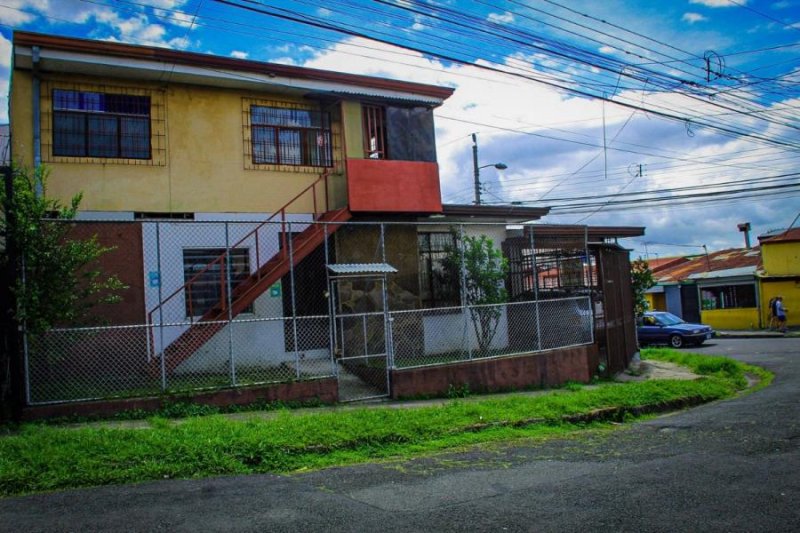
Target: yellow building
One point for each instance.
(142, 131)
(780, 273)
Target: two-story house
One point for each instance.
(286, 197)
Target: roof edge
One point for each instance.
(168, 55)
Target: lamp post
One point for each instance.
(477, 169)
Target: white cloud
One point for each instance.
(691, 18)
(5, 53)
(16, 12)
(719, 3)
(238, 54)
(501, 18)
(513, 119)
(607, 50)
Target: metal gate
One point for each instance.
(619, 336)
(360, 330)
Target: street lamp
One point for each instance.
(477, 169)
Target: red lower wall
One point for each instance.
(324, 390)
(545, 369)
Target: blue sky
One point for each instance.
(613, 113)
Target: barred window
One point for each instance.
(438, 288)
(94, 124)
(284, 136)
(203, 268)
(375, 132)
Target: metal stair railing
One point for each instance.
(221, 260)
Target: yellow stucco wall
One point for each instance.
(352, 118)
(656, 301)
(790, 290)
(204, 168)
(726, 319)
(781, 258)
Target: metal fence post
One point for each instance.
(294, 300)
(591, 282)
(231, 356)
(161, 309)
(535, 288)
(331, 304)
(464, 303)
(387, 317)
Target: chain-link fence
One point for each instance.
(214, 303)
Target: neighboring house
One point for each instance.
(288, 197)
(720, 288)
(779, 273)
(656, 296)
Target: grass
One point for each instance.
(43, 458)
(712, 366)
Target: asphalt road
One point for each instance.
(727, 466)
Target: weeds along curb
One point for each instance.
(606, 414)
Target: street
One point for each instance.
(726, 466)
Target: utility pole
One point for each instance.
(476, 169)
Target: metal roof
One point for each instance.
(727, 273)
(362, 268)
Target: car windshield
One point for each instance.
(668, 319)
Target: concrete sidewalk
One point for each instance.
(757, 334)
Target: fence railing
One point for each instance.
(295, 330)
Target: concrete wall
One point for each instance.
(790, 290)
(324, 390)
(545, 369)
(781, 258)
(736, 318)
(202, 140)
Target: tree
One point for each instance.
(480, 269)
(59, 280)
(641, 280)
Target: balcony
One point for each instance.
(379, 185)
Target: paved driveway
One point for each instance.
(727, 466)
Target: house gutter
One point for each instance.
(37, 119)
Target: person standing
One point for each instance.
(772, 319)
(780, 312)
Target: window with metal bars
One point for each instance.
(375, 132)
(283, 136)
(95, 124)
(207, 272)
(436, 290)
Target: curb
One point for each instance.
(756, 335)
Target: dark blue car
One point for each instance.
(658, 327)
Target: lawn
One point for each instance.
(39, 457)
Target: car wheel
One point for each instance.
(676, 341)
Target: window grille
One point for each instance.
(375, 132)
(283, 136)
(436, 290)
(94, 124)
(203, 268)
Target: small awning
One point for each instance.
(361, 269)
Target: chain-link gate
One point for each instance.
(361, 335)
